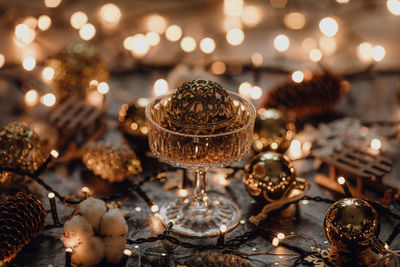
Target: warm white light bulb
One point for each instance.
(156, 23)
(245, 89)
(315, 55)
(207, 45)
(378, 53)
(48, 73)
(31, 98)
(110, 13)
(235, 37)
(160, 87)
(173, 33)
(44, 22)
(281, 43)
(29, 63)
(87, 32)
(48, 99)
(78, 19)
(188, 44)
(103, 88)
(329, 26)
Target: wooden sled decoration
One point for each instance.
(362, 170)
(77, 121)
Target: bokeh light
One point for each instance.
(251, 16)
(281, 43)
(218, 67)
(378, 53)
(257, 59)
(329, 26)
(160, 87)
(29, 63)
(48, 99)
(87, 32)
(294, 20)
(393, 6)
(52, 3)
(235, 37)
(44, 22)
(188, 44)
(207, 45)
(48, 73)
(153, 38)
(156, 23)
(315, 55)
(78, 19)
(298, 76)
(110, 13)
(173, 33)
(31, 98)
(364, 52)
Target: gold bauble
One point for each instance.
(132, 118)
(272, 131)
(269, 176)
(20, 149)
(75, 67)
(351, 224)
(199, 105)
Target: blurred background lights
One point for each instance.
(153, 38)
(364, 52)
(103, 88)
(257, 59)
(298, 76)
(110, 13)
(235, 37)
(24, 34)
(78, 19)
(160, 87)
(309, 44)
(251, 16)
(278, 3)
(188, 44)
(48, 73)
(2, 60)
(256, 92)
(218, 67)
(245, 89)
(328, 26)
(173, 33)
(327, 45)
(31, 22)
(342, 1)
(52, 3)
(87, 32)
(315, 55)
(294, 20)
(31, 98)
(281, 43)
(393, 6)
(233, 7)
(156, 23)
(138, 44)
(29, 63)
(207, 45)
(48, 99)
(232, 23)
(378, 53)
(44, 22)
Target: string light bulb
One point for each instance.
(156, 23)
(298, 76)
(139, 45)
(44, 22)
(48, 99)
(160, 87)
(78, 19)
(329, 26)
(154, 208)
(173, 33)
(341, 180)
(378, 53)
(24, 34)
(376, 144)
(280, 236)
(256, 92)
(31, 98)
(87, 32)
(103, 88)
(48, 73)
(393, 6)
(251, 16)
(110, 13)
(207, 45)
(235, 37)
(245, 89)
(188, 44)
(29, 63)
(364, 52)
(54, 153)
(281, 43)
(275, 241)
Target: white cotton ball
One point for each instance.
(89, 253)
(114, 248)
(113, 223)
(77, 230)
(92, 210)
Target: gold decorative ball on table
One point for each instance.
(269, 176)
(20, 148)
(272, 131)
(352, 224)
(75, 67)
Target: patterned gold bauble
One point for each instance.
(111, 162)
(351, 224)
(21, 219)
(269, 176)
(272, 131)
(132, 118)
(21, 149)
(200, 104)
(216, 259)
(75, 67)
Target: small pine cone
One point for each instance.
(309, 98)
(21, 219)
(216, 259)
(112, 163)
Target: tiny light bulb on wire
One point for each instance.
(281, 43)
(329, 26)
(54, 153)
(78, 19)
(376, 144)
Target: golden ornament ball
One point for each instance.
(132, 118)
(351, 224)
(20, 149)
(75, 67)
(200, 105)
(272, 131)
(269, 176)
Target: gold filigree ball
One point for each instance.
(269, 176)
(132, 118)
(20, 148)
(75, 67)
(198, 105)
(351, 224)
(272, 131)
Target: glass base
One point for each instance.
(199, 219)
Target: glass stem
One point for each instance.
(200, 199)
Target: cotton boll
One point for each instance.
(89, 253)
(92, 210)
(76, 231)
(114, 248)
(113, 224)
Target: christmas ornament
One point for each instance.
(110, 162)
(352, 224)
(20, 148)
(309, 98)
(132, 118)
(21, 219)
(200, 105)
(75, 68)
(272, 131)
(216, 259)
(270, 177)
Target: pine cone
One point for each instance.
(309, 98)
(113, 163)
(216, 259)
(21, 219)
